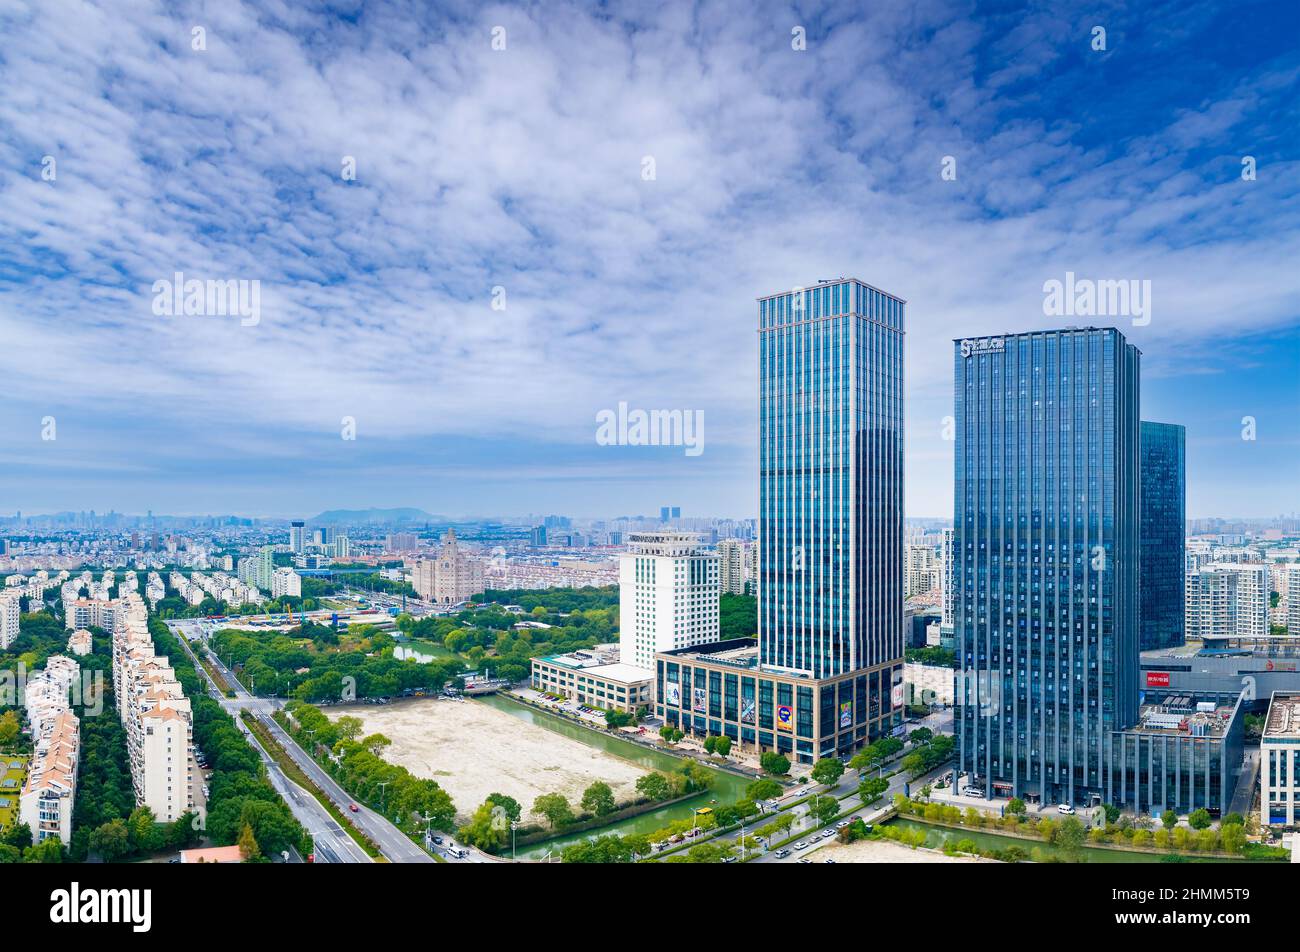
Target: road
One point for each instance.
(395, 845)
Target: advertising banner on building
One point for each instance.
(784, 718)
(1157, 679)
(701, 702)
(746, 710)
(673, 694)
(896, 696)
(846, 714)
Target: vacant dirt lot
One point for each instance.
(884, 851)
(473, 750)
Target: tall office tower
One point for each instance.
(1164, 521)
(537, 536)
(323, 536)
(1228, 600)
(735, 565)
(667, 596)
(1046, 540)
(830, 583)
(1293, 599)
(297, 536)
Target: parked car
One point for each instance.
(1064, 808)
(782, 854)
(972, 792)
(801, 846)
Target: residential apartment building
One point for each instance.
(667, 597)
(10, 612)
(1164, 519)
(50, 790)
(285, 581)
(1293, 599)
(156, 715)
(451, 577)
(735, 565)
(80, 642)
(1227, 600)
(923, 570)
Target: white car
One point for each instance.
(801, 846)
(1064, 808)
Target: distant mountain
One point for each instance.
(373, 516)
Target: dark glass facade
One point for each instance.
(830, 591)
(1164, 521)
(1046, 545)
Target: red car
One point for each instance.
(352, 807)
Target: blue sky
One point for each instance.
(522, 169)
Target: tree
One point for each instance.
(764, 789)
(1199, 819)
(1170, 819)
(722, 746)
(1070, 835)
(46, 851)
(18, 836)
(1112, 812)
(872, 789)
(111, 841)
(599, 799)
(828, 771)
(913, 764)
(824, 808)
(921, 736)
(710, 744)
(1233, 836)
(653, 786)
(249, 851)
(488, 829)
(774, 763)
(555, 808)
(1015, 807)
(144, 833)
(10, 728)
(507, 803)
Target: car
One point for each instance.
(354, 808)
(801, 846)
(728, 859)
(1065, 808)
(805, 860)
(842, 824)
(972, 792)
(437, 841)
(855, 816)
(782, 854)
(830, 861)
(828, 834)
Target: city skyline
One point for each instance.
(381, 253)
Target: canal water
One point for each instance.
(936, 836)
(727, 787)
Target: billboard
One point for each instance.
(701, 700)
(1157, 679)
(784, 717)
(896, 696)
(846, 714)
(746, 710)
(673, 694)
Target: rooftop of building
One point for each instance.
(1283, 721)
(735, 652)
(1186, 713)
(595, 666)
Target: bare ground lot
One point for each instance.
(885, 851)
(473, 750)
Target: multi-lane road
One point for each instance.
(395, 845)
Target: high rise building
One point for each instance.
(826, 675)
(450, 578)
(735, 565)
(297, 536)
(10, 602)
(1228, 600)
(923, 570)
(1046, 546)
(668, 596)
(1293, 599)
(1164, 521)
(537, 536)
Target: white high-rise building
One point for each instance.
(286, 581)
(1228, 600)
(922, 570)
(1293, 599)
(735, 565)
(668, 596)
(9, 615)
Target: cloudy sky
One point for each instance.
(140, 139)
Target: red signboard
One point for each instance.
(1157, 679)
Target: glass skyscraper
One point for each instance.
(1046, 546)
(830, 589)
(1164, 521)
